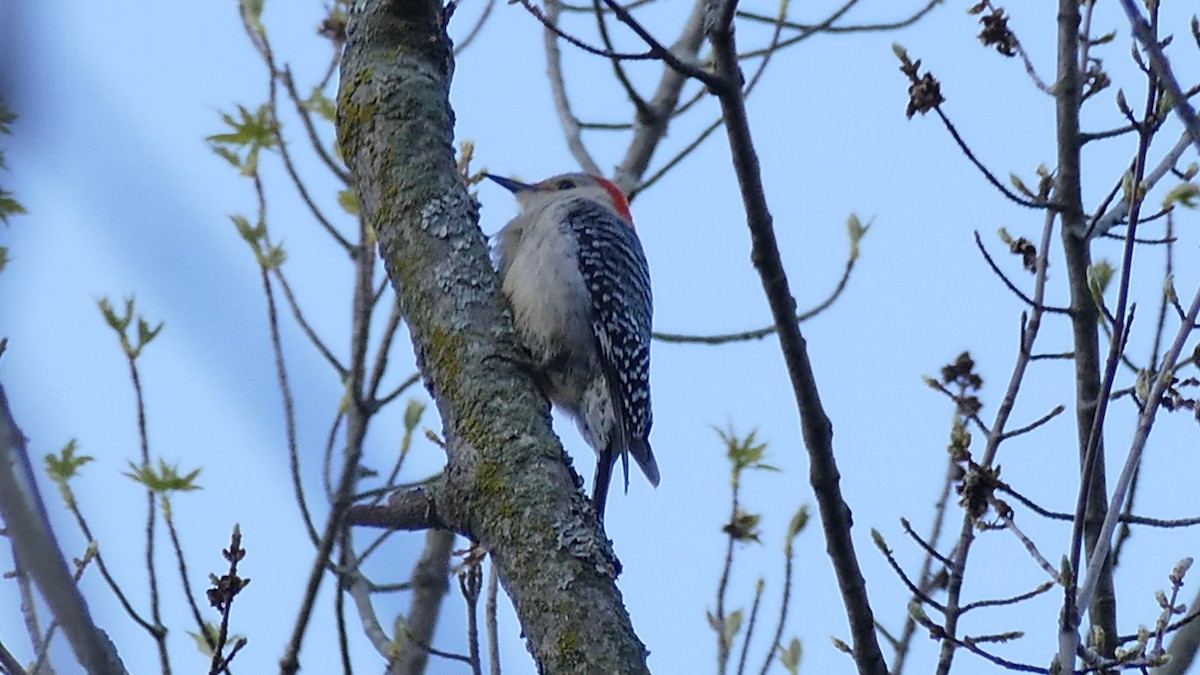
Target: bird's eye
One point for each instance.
(565, 184)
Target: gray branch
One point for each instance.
(24, 516)
(430, 583)
(508, 485)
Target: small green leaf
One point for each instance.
(273, 257)
(1184, 194)
(733, 624)
(248, 232)
(9, 206)
(880, 542)
(229, 155)
(165, 480)
(117, 323)
(744, 453)
(412, 414)
(65, 466)
(202, 644)
(856, 231)
(249, 132)
(253, 8)
(789, 656)
(1020, 185)
(146, 333)
(348, 200)
(1099, 274)
(798, 522)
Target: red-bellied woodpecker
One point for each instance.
(578, 285)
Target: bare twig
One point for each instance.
(1162, 68)
(1028, 337)
(1007, 282)
(558, 89)
(759, 333)
(817, 429)
(666, 55)
(827, 26)
(28, 527)
(475, 30)
(553, 26)
(490, 623)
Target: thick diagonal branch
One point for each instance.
(507, 484)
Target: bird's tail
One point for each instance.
(640, 449)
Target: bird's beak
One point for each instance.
(508, 183)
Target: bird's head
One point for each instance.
(530, 195)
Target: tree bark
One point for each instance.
(507, 482)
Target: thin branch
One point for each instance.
(758, 593)
(158, 631)
(788, 573)
(1100, 226)
(1142, 434)
(1010, 525)
(639, 104)
(915, 590)
(931, 553)
(185, 580)
(689, 40)
(558, 89)
(553, 26)
(759, 333)
(652, 120)
(658, 51)
(314, 139)
(1162, 68)
(1054, 412)
(289, 165)
(1007, 282)
(475, 30)
(1028, 337)
(289, 405)
(723, 635)
(826, 27)
(1028, 595)
(987, 173)
(815, 424)
(400, 389)
(305, 327)
(1108, 133)
(490, 623)
(382, 352)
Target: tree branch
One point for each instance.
(24, 516)
(815, 424)
(507, 485)
(430, 581)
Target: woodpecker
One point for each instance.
(576, 279)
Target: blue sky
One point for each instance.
(125, 199)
